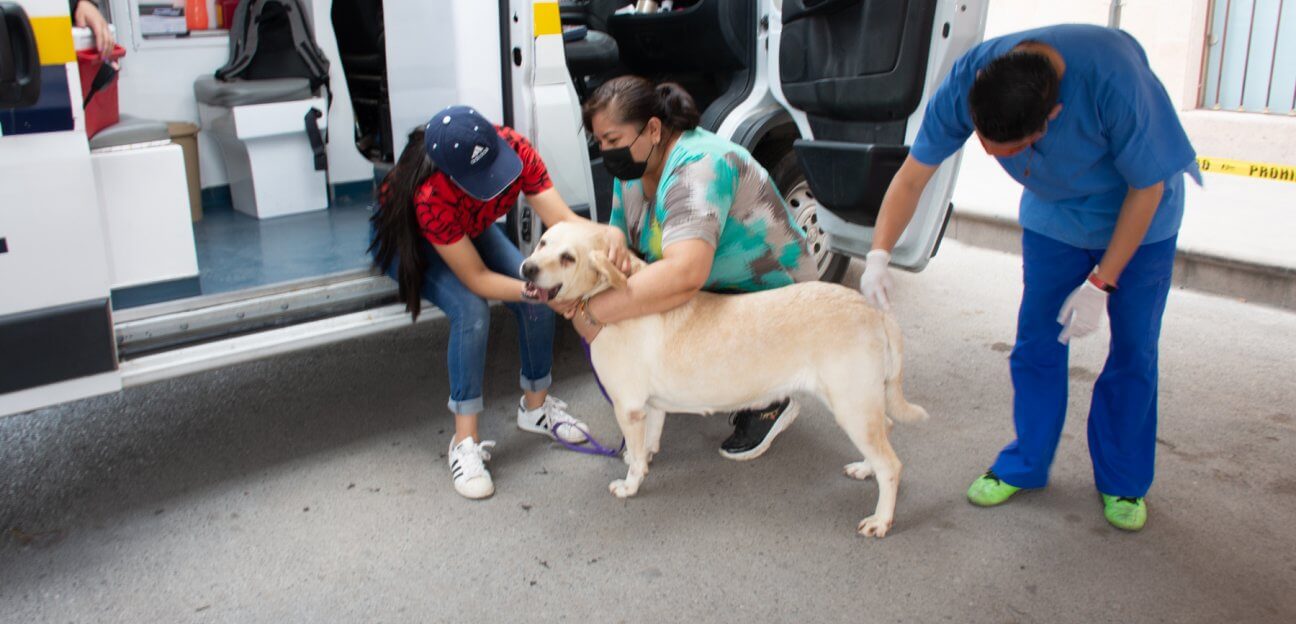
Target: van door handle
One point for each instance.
(19, 59)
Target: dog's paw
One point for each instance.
(859, 470)
(872, 526)
(622, 488)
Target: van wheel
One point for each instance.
(791, 181)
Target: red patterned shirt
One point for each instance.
(446, 213)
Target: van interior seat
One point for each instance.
(130, 131)
(592, 54)
(208, 90)
(706, 36)
(589, 49)
(707, 46)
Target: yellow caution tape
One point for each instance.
(546, 19)
(1267, 171)
(54, 39)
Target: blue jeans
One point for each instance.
(470, 322)
(1123, 414)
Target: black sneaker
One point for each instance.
(755, 430)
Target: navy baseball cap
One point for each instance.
(469, 150)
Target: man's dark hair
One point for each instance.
(1012, 96)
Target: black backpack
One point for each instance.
(274, 39)
(263, 36)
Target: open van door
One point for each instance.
(56, 330)
(857, 75)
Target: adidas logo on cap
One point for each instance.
(479, 152)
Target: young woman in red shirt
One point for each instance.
(434, 234)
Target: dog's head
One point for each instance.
(570, 262)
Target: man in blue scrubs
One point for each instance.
(1075, 114)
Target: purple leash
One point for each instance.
(591, 445)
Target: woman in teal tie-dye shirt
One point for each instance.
(701, 211)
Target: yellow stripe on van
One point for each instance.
(54, 39)
(546, 19)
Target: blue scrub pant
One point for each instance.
(1123, 414)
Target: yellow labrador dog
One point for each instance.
(723, 353)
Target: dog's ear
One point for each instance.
(603, 265)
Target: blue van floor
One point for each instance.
(236, 251)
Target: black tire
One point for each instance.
(791, 182)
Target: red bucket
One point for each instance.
(99, 88)
(225, 12)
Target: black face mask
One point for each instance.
(622, 165)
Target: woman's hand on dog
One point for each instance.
(617, 252)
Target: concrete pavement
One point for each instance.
(312, 488)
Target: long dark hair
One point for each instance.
(634, 100)
(396, 229)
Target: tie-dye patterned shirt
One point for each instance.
(713, 190)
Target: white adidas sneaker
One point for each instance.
(551, 417)
(468, 468)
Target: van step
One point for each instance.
(150, 329)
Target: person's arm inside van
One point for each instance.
(86, 14)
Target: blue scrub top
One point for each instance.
(1117, 129)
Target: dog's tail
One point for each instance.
(896, 405)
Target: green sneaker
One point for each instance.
(989, 490)
(1125, 513)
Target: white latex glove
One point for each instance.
(1082, 312)
(876, 282)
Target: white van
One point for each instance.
(103, 285)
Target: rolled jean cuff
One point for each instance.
(535, 385)
(466, 406)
